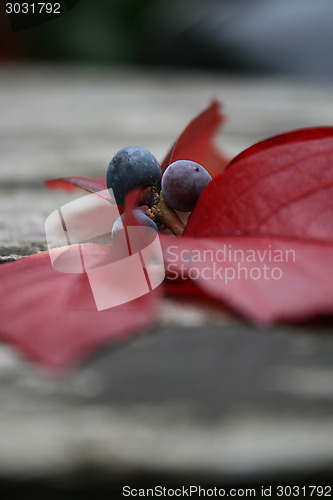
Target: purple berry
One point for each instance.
(142, 218)
(182, 183)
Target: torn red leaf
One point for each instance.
(285, 191)
(196, 142)
(51, 316)
(92, 184)
(264, 279)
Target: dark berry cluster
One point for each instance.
(182, 183)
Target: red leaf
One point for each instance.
(132, 202)
(91, 184)
(196, 142)
(279, 190)
(305, 134)
(299, 287)
(52, 317)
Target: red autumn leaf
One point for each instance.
(52, 317)
(305, 134)
(283, 189)
(132, 202)
(264, 279)
(196, 143)
(91, 184)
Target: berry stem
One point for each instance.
(163, 215)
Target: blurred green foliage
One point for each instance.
(101, 31)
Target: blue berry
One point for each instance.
(132, 167)
(182, 183)
(141, 217)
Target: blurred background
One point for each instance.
(254, 36)
(203, 396)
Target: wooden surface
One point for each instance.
(202, 395)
